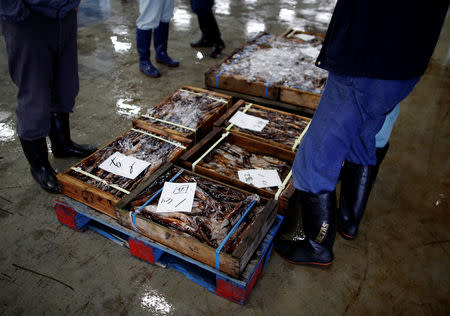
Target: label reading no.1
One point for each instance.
(125, 166)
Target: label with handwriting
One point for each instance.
(250, 122)
(125, 166)
(176, 197)
(260, 178)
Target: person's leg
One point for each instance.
(350, 113)
(315, 172)
(162, 36)
(197, 6)
(30, 48)
(211, 36)
(357, 181)
(149, 18)
(64, 91)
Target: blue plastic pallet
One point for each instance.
(80, 217)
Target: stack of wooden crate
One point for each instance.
(192, 136)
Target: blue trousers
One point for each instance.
(351, 112)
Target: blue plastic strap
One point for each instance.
(133, 215)
(263, 39)
(267, 89)
(231, 233)
(306, 89)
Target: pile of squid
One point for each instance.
(281, 128)
(228, 159)
(133, 144)
(276, 60)
(185, 108)
(216, 209)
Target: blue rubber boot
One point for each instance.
(143, 41)
(160, 42)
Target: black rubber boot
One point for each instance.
(160, 42)
(143, 41)
(205, 40)
(319, 225)
(214, 35)
(217, 48)
(356, 185)
(62, 144)
(37, 155)
(202, 42)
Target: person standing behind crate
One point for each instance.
(375, 52)
(211, 36)
(154, 16)
(41, 44)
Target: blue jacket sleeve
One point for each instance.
(13, 10)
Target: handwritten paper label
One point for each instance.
(125, 166)
(250, 122)
(176, 197)
(305, 37)
(260, 178)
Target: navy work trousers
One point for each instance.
(350, 113)
(43, 63)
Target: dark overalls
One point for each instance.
(42, 60)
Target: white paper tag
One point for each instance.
(248, 121)
(176, 197)
(260, 178)
(305, 37)
(310, 51)
(125, 166)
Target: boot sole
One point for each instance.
(201, 46)
(345, 236)
(168, 65)
(157, 76)
(312, 264)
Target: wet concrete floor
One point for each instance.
(399, 264)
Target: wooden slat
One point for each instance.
(87, 194)
(254, 238)
(299, 97)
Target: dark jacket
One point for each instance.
(19, 10)
(382, 39)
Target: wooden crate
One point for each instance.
(81, 185)
(298, 95)
(219, 78)
(283, 136)
(219, 135)
(164, 123)
(232, 264)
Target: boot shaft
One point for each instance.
(59, 129)
(161, 37)
(35, 151)
(319, 217)
(143, 41)
(356, 185)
